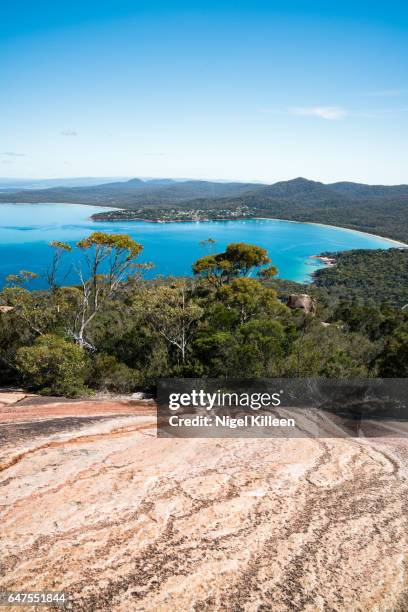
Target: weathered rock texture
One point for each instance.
(94, 504)
(302, 301)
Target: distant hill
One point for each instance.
(377, 209)
(359, 190)
(301, 189)
(161, 191)
(159, 181)
(84, 181)
(133, 192)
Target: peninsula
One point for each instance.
(165, 215)
(375, 209)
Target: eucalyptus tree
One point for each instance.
(172, 311)
(239, 259)
(109, 260)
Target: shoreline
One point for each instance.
(348, 229)
(174, 220)
(59, 203)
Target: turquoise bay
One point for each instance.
(27, 229)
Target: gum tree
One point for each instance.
(60, 248)
(110, 260)
(172, 312)
(239, 259)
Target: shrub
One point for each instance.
(110, 374)
(53, 366)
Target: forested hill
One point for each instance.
(134, 192)
(377, 209)
(167, 191)
(377, 276)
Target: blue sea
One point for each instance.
(27, 229)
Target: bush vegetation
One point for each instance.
(378, 276)
(114, 331)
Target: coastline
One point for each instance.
(59, 203)
(348, 229)
(159, 221)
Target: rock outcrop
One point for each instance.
(302, 301)
(95, 505)
(4, 309)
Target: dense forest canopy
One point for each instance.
(114, 331)
(379, 276)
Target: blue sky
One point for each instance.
(261, 91)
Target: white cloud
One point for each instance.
(331, 113)
(69, 133)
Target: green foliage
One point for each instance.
(35, 310)
(110, 261)
(53, 366)
(393, 360)
(121, 243)
(172, 312)
(60, 249)
(20, 279)
(269, 272)
(236, 325)
(63, 246)
(108, 374)
(377, 275)
(330, 352)
(262, 346)
(248, 298)
(218, 351)
(239, 259)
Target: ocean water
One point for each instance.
(27, 229)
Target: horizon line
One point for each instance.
(185, 179)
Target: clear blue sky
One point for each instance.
(226, 90)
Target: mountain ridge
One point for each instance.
(154, 191)
(376, 209)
